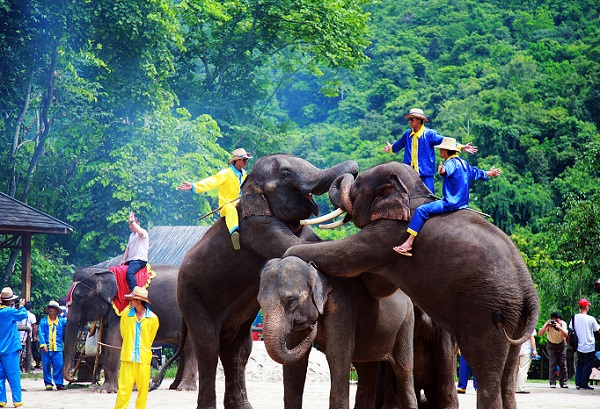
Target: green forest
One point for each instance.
(107, 106)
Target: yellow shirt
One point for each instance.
(227, 180)
(138, 335)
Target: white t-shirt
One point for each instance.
(585, 325)
(526, 347)
(29, 321)
(138, 246)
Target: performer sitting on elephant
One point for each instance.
(136, 253)
(229, 182)
(457, 180)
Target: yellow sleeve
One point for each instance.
(210, 183)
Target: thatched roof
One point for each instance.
(16, 217)
(168, 244)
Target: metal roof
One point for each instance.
(17, 217)
(168, 244)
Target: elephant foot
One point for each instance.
(185, 385)
(238, 405)
(107, 387)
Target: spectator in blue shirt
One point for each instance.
(418, 143)
(457, 180)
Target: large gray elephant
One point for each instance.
(217, 286)
(465, 272)
(91, 300)
(301, 306)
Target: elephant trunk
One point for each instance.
(69, 345)
(327, 176)
(276, 334)
(339, 192)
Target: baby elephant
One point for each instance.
(301, 306)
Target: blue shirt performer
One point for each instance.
(10, 345)
(418, 143)
(457, 180)
(51, 333)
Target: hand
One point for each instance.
(387, 147)
(131, 217)
(470, 148)
(185, 186)
(441, 169)
(493, 172)
(22, 302)
(45, 348)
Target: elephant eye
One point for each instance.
(291, 303)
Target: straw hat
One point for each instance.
(448, 143)
(8, 295)
(239, 153)
(139, 293)
(416, 113)
(53, 304)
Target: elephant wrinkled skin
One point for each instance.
(465, 273)
(301, 306)
(217, 286)
(92, 300)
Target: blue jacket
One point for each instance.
(44, 334)
(427, 141)
(457, 182)
(9, 335)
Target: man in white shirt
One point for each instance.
(136, 253)
(528, 351)
(584, 325)
(31, 323)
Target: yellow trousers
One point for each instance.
(130, 373)
(232, 220)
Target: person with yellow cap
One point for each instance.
(457, 176)
(10, 345)
(138, 327)
(229, 182)
(418, 143)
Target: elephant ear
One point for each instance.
(106, 286)
(319, 286)
(253, 201)
(392, 202)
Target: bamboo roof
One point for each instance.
(168, 244)
(16, 217)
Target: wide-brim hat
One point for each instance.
(416, 113)
(448, 143)
(239, 153)
(53, 304)
(8, 295)
(138, 293)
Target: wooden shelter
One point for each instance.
(168, 244)
(18, 222)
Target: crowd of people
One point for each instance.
(139, 324)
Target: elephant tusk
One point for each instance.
(323, 218)
(333, 225)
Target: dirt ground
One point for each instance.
(265, 391)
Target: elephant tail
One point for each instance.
(529, 316)
(157, 380)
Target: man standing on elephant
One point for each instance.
(138, 326)
(51, 333)
(10, 345)
(229, 182)
(457, 181)
(418, 143)
(556, 347)
(136, 253)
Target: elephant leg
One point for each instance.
(403, 363)
(294, 379)
(493, 372)
(234, 357)
(508, 378)
(366, 390)
(442, 392)
(185, 380)
(112, 356)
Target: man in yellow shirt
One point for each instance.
(138, 329)
(229, 182)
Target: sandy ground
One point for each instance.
(265, 391)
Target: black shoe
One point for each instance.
(565, 386)
(588, 387)
(578, 387)
(61, 388)
(235, 240)
(522, 392)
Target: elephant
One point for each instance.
(465, 273)
(91, 300)
(217, 285)
(300, 306)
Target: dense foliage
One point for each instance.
(108, 106)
